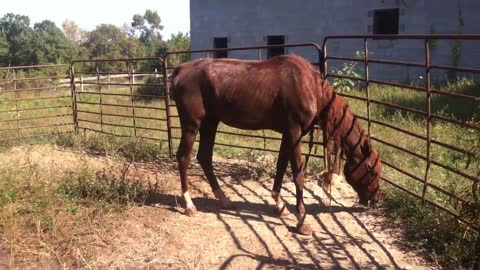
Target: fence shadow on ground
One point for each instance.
(341, 239)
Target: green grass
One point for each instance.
(449, 242)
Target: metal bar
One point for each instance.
(119, 135)
(34, 66)
(38, 98)
(403, 36)
(345, 77)
(367, 86)
(16, 102)
(399, 85)
(454, 121)
(120, 105)
(398, 169)
(45, 88)
(167, 106)
(119, 84)
(418, 136)
(99, 87)
(454, 148)
(429, 116)
(130, 78)
(34, 136)
(34, 118)
(73, 91)
(452, 68)
(259, 54)
(122, 95)
(325, 77)
(37, 108)
(35, 79)
(384, 104)
(399, 148)
(34, 127)
(448, 168)
(123, 126)
(250, 148)
(126, 116)
(470, 98)
(291, 45)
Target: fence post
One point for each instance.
(16, 102)
(99, 87)
(73, 93)
(131, 79)
(325, 76)
(429, 115)
(81, 84)
(167, 106)
(367, 85)
(259, 54)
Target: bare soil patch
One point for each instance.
(159, 236)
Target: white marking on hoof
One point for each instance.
(188, 201)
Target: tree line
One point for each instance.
(45, 43)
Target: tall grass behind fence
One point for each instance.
(34, 101)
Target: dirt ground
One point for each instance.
(160, 236)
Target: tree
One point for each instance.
(147, 27)
(108, 41)
(19, 36)
(179, 42)
(51, 45)
(73, 32)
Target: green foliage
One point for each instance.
(147, 27)
(350, 70)
(151, 90)
(106, 188)
(178, 42)
(108, 42)
(449, 242)
(45, 43)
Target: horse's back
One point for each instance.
(247, 94)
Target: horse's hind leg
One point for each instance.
(208, 130)
(295, 136)
(183, 158)
(282, 163)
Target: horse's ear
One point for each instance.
(366, 147)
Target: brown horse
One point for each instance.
(285, 94)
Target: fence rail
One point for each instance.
(112, 101)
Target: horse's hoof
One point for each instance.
(227, 204)
(191, 211)
(281, 211)
(304, 229)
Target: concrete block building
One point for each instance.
(228, 23)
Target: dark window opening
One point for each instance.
(386, 21)
(220, 43)
(275, 40)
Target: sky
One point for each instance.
(87, 14)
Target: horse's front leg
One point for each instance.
(282, 162)
(295, 137)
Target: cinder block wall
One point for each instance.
(248, 22)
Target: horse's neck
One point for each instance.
(353, 140)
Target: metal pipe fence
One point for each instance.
(132, 98)
(34, 105)
(435, 190)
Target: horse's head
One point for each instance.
(363, 174)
